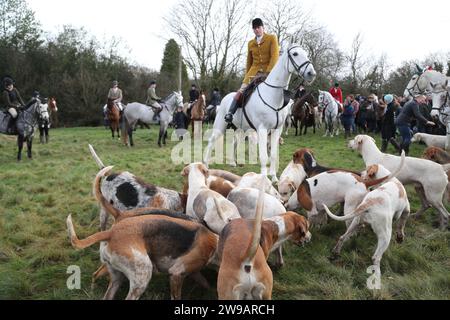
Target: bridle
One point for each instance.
(297, 68)
(411, 90)
(444, 104)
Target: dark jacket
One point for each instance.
(180, 120)
(388, 128)
(12, 99)
(215, 99)
(193, 95)
(408, 113)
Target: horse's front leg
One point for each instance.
(46, 135)
(447, 141)
(29, 147)
(165, 126)
(263, 157)
(20, 139)
(275, 139)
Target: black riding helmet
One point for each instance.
(7, 81)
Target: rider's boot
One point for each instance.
(233, 107)
(11, 125)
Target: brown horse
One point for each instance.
(303, 111)
(198, 111)
(113, 114)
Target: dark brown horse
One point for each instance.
(303, 111)
(113, 115)
(198, 111)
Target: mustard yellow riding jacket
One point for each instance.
(261, 57)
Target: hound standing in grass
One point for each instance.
(378, 209)
(430, 140)
(430, 178)
(244, 246)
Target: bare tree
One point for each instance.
(211, 34)
(286, 19)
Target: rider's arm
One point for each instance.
(249, 58)
(119, 99)
(274, 52)
(153, 94)
(6, 100)
(418, 114)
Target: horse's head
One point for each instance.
(322, 100)
(440, 96)
(43, 112)
(420, 82)
(299, 63)
(52, 104)
(178, 102)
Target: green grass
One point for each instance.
(36, 197)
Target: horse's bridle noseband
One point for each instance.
(444, 104)
(296, 66)
(416, 85)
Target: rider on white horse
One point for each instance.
(263, 54)
(153, 100)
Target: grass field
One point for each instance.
(36, 197)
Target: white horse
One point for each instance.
(441, 106)
(264, 109)
(135, 112)
(421, 82)
(331, 106)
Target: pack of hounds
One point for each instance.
(233, 223)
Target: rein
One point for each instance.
(297, 68)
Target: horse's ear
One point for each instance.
(419, 69)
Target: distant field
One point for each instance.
(36, 197)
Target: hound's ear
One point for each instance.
(204, 170)
(297, 158)
(185, 172)
(372, 171)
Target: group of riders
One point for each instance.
(263, 54)
(13, 103)
(155, 102)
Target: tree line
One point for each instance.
(211, 36)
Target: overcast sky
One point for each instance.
(402, 29)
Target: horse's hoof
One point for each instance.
(233, 165)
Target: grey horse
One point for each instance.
(25, 125)
(135, 112)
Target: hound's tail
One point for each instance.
(358, 211)
(226, 175)
(96, 157)
(377, 182)
(81, 244)
(251, 252)
(97, 191)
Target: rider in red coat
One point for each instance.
(336, 92)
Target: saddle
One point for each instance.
(250, 89)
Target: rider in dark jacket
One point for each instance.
(408, 113)
(12, 101)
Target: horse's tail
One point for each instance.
(125, 128)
